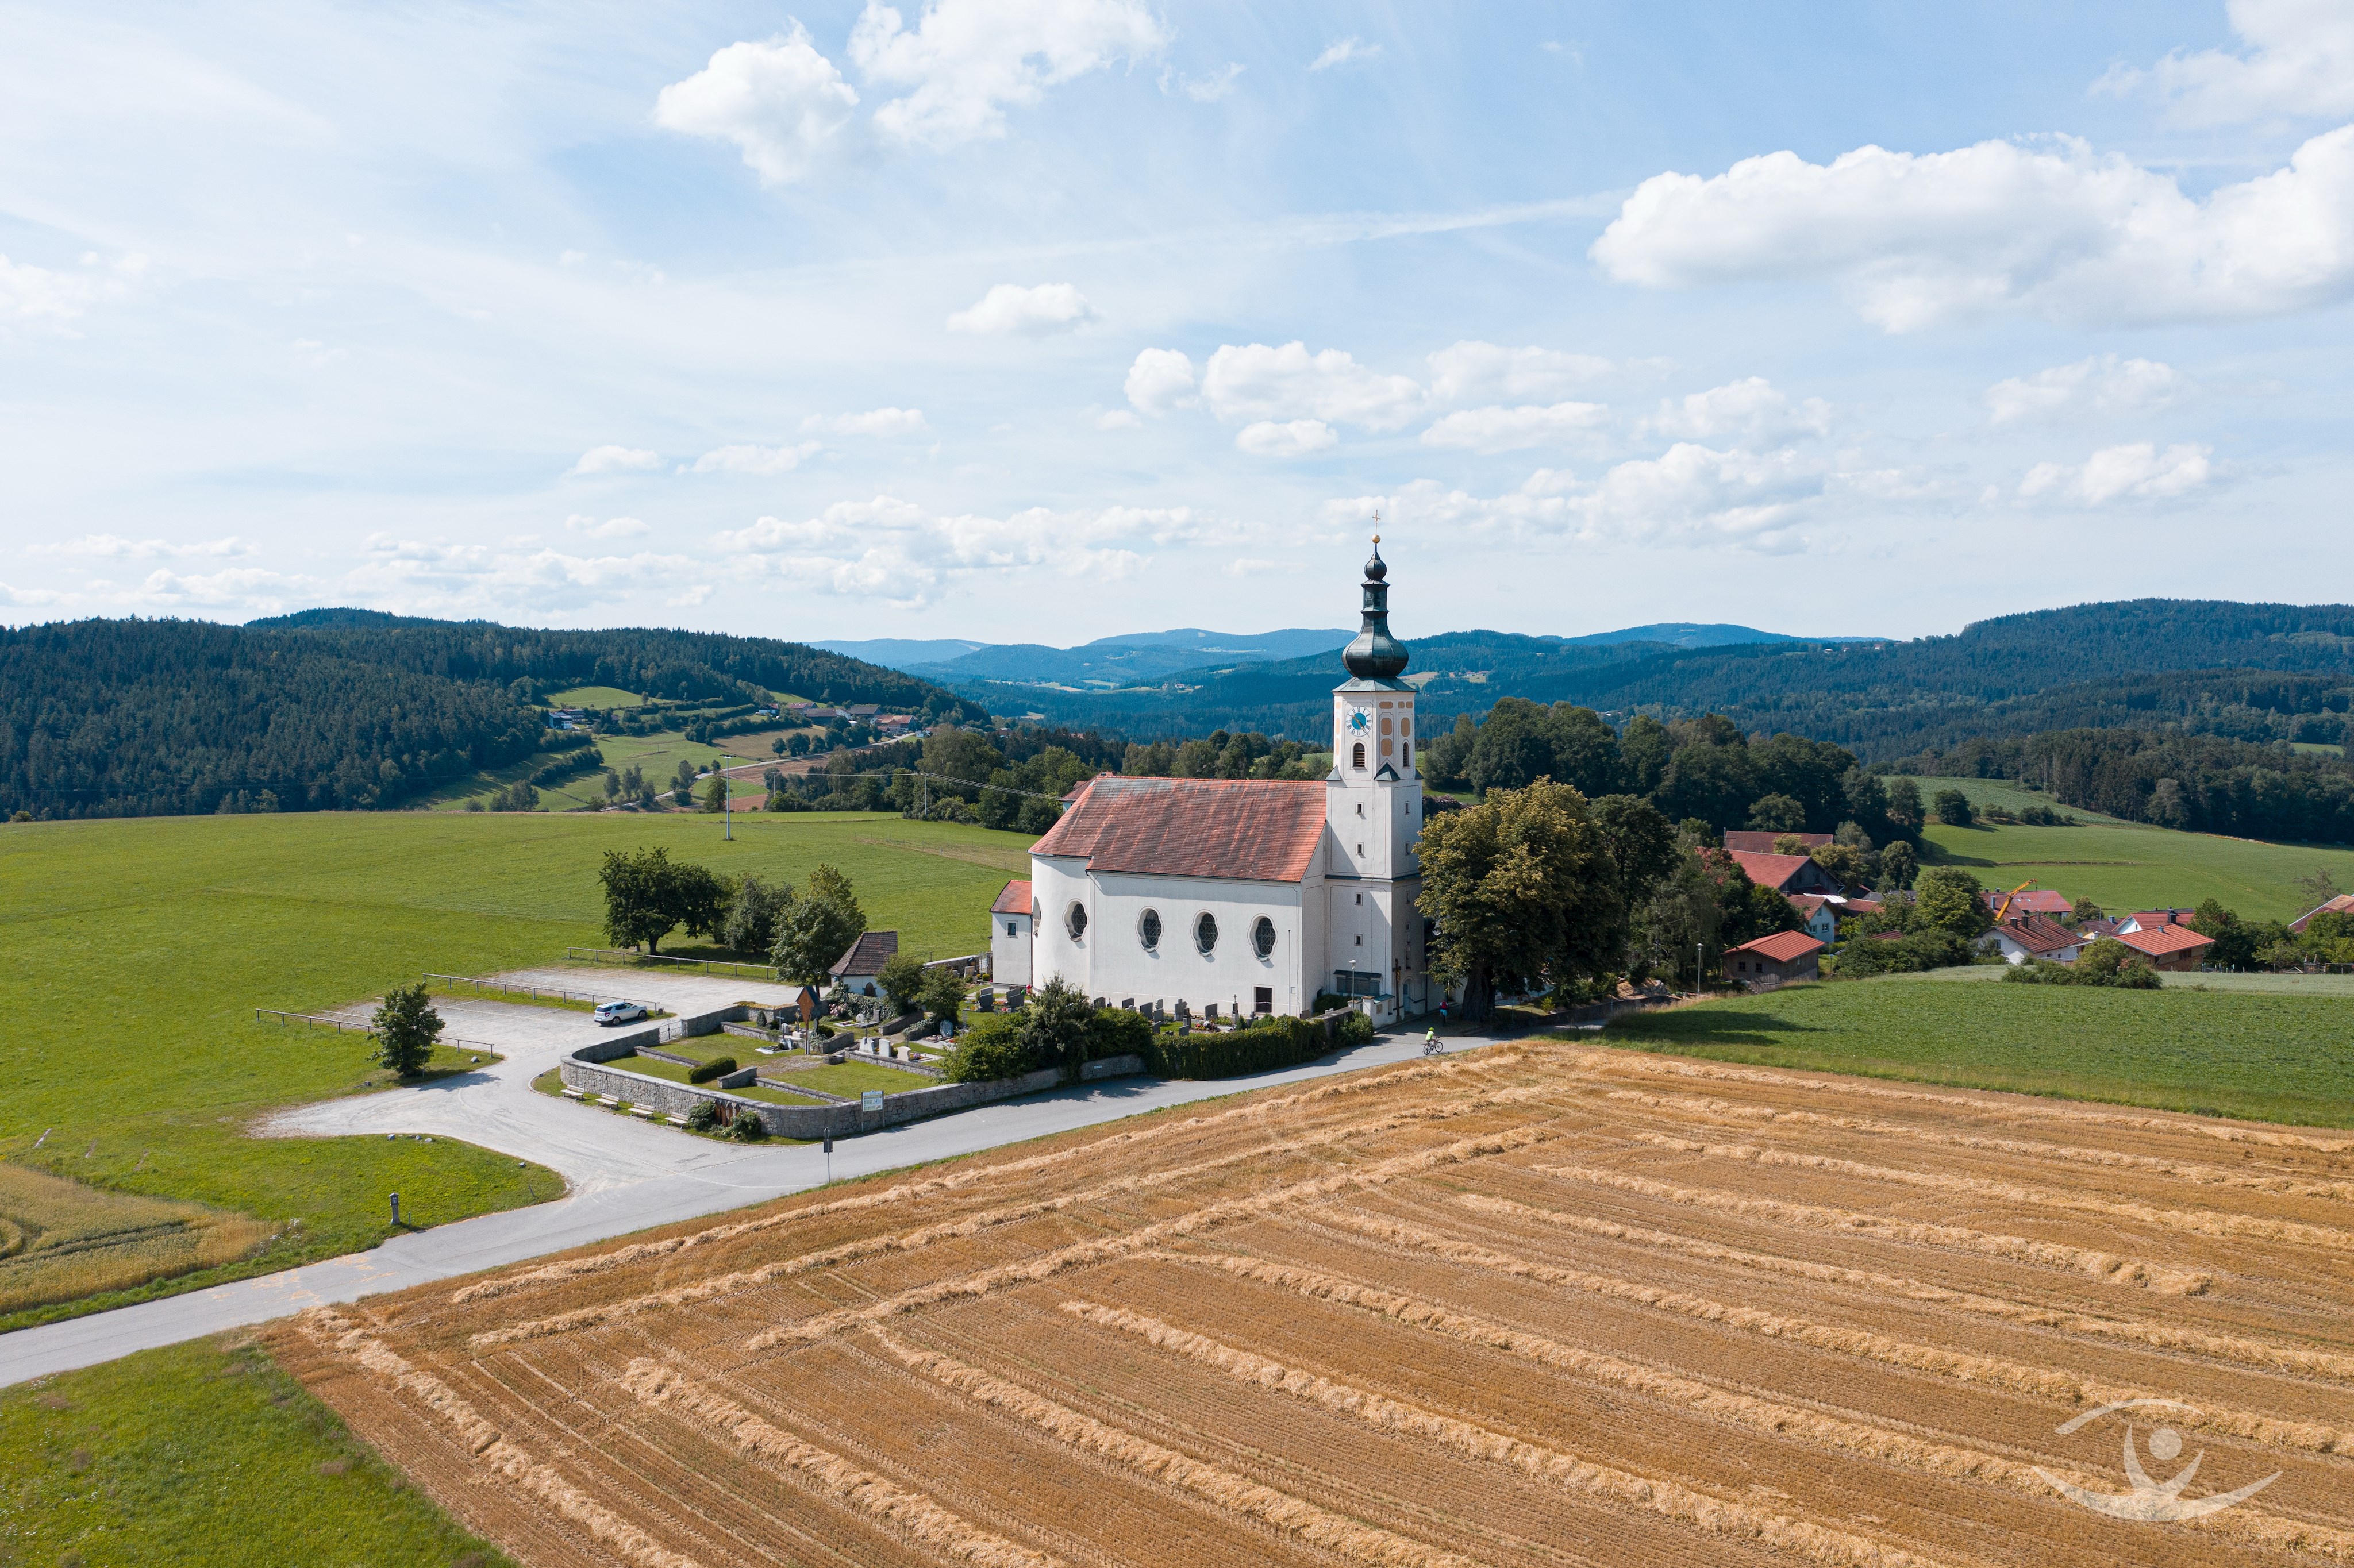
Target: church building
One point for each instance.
(1253, 895)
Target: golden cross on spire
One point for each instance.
(1377, 523)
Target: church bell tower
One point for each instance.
(1373, 806)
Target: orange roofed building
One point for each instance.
(1777, 959)
(1256, 894)
(2168, 947)
(1009, 935)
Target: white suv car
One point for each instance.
(611, 1013)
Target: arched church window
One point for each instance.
(1148, 929)
(1205, 931)
(1409, 754)
(1077, 921)
(1263, 936)
(1357, 756)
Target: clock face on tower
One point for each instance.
(1361, 721)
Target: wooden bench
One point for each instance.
(646, 1111)
(572, 1094)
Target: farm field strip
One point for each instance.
(1677, 1501)
(1444, 1314)
(1725, 1113)
(1935, 1360)
(2085, 1261)
(2194, 1222)
(1608, 1065)
(713, 1286)
(2296, 1359)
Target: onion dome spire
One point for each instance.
(1374, 654)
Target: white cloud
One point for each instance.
(611, 528)
(1498, 428)
(1474, 371)
(1258, 383)
(251, 588)
(1296, 439)
(2135, 472)
(110, 546)
(756, 459)
(616, 460)
(1753, 411)
(1117, 419)
(1218, 84)
(881, 423)
(780, 102)
(435, 578)
(897, 551)
(1030, 312)
(1160, 379)
(2300, 62)
(1245, 566)
(2101, 384)
(2053, 228)
(571, 258)
(30, 293)
(966, 60)
(1691, 495)
(1341, 51)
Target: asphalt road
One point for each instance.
(625, 1175)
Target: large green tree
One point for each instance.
(648, 895)
(1057, 1025)
(1950, 898)
(1522, 890)
(407, 1028)
(817, 927)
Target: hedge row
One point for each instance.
(1264, 1046)
(710, 1070)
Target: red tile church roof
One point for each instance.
(1254, 829)
(1014, 900)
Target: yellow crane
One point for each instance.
(2004, 907)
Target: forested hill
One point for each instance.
(345, 709)
(2253, 671)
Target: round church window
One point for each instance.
(1205, 931)
(1148, 929)
(1263, 936)
(1077, 921)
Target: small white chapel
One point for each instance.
(1245, 894)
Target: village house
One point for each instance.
(2041, 901)
(2341, 904)
(1774, 960)
(2166, 946)
(856, 970)
(1820, 914)
(1787, 873)
(2153, 919)
(1750, 841)
(2023, 937)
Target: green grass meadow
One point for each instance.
(141, 947)
(2123, 865)
(2264, 1055)
(205, 1456)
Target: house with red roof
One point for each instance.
(1257, 894)
(1009, 934)
(1750, 841)
(1774, 960)
(2020, 937)
(2341, 904)
(2033, 901)
(2166, 946)
(1820, 914)
(1787, 873)
(2152, 919)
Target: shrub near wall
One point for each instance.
(718, 1068)
(1264, 1046)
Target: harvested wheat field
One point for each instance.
(1535, 1305)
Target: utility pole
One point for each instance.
(1700, 965)
(727, 801)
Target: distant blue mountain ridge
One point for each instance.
(1148, 658)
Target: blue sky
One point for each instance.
(1042, 320)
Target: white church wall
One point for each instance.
(1120, 967)
(1055, 885)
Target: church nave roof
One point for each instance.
(1253, 830)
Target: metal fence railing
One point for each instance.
(340, 1026)
(631, 956)
(544, 992)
